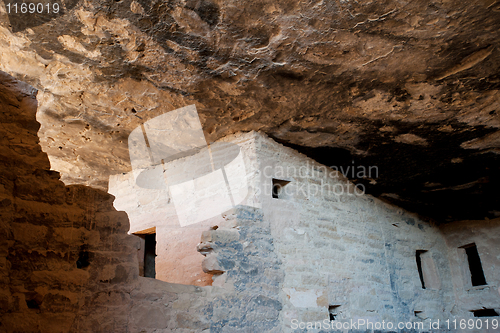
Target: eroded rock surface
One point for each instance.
(410, 87)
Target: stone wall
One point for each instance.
(346, 251)
(248, 274)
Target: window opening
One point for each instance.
(333, 311)
(475, 267)
(278, 188)
(485, 313)
(419, 266)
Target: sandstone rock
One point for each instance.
(324, 75)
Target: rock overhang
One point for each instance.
(411, 88)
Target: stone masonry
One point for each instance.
(329, 248)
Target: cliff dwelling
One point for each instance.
(249, 166)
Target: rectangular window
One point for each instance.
(279, 188)
(485, 313)
(419, 267)
(333, 311)
(150, 255)
(427, 271)
(475, 266)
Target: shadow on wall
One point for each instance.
(66, 261)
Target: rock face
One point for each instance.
(62, 248)
(409, 87)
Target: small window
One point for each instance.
(420, 314)
(475, 266)
(83, 257)
(32, 304)
(485, 313)
(279, 188)
(333, 311)
(419, 267)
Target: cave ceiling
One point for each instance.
(411, 87)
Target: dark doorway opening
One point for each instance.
(475, 267)
(149, 255)
(146, 252)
